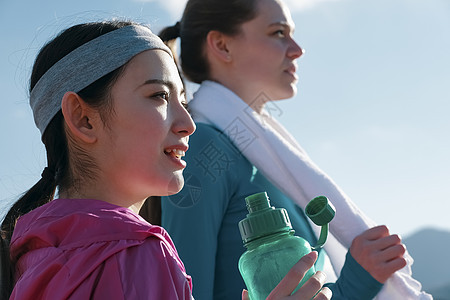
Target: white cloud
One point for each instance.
(173, 7)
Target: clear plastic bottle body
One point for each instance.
(268, 260)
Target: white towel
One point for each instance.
(268, 146)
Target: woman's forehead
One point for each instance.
(152, 65)
(274, 12)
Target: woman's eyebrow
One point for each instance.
(167, 83)
(284, 24)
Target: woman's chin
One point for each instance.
(286, 94)
(175, 185)
(291, 91)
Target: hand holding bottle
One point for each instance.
(289, 283)
(379, 252)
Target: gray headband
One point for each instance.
(86, 64)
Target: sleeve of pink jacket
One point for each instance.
(153, 270)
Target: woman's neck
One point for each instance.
(135, 206)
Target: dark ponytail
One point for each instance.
(60, 169)
(45, 187)
(169, 36)
(170, 33)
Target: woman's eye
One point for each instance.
(161, 95)
(279, 33)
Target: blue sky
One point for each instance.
(372, 108)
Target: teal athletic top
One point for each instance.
(203, 220)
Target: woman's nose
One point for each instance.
(184, 123)
(295, 51)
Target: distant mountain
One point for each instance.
(442, 293)
(430, 249)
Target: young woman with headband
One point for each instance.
(110, 106)
(243, 55)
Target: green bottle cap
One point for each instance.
(262, 218)
(321, 212)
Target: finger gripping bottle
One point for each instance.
(272, 247)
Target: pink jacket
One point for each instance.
(90, 249)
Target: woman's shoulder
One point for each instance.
(58, 222)
(209, 139)
(206, 131)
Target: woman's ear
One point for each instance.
(217, 45)
(80, 118)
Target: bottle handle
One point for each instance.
(321, 212)
(322, 238)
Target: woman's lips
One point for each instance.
(175, 154)
(178, 153)
(292, 71)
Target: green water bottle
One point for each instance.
(272, 247)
